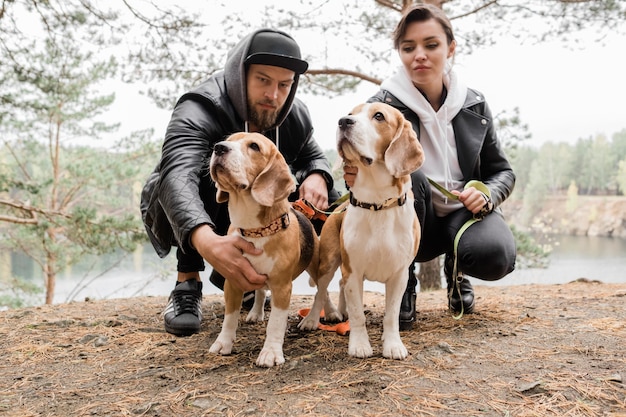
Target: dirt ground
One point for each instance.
(557, 350)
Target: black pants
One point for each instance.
(486, 249)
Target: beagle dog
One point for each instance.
(253, 177)
(377, 236)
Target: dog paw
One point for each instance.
(221, 347)
(253, 316)
(270, 357)
(360, 350)
(308, 323)
(334, 317)
(395, 351)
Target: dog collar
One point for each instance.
(274, 227)
(390, 202)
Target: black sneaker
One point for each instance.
(183, 313)
(248, 301)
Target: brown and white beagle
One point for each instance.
(252, 175)
(378, 234)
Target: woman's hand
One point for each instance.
(472, 199)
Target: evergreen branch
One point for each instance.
(337, 71)
(18, 220)
(33, 211)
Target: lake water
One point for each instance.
(593, 258)
(573, 257)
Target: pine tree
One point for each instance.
(61, 197)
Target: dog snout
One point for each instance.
(220, 148)
(346, 122)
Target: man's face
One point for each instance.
(268, 89)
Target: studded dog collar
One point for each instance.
(274, 227)
(390, 202)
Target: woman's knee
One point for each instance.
(489, 262)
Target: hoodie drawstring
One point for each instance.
(441, 141)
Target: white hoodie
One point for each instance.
(441, 162)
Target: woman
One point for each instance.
(462, 157)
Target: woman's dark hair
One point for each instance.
(420, 13)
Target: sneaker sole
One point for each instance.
(177, 331)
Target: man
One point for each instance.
(255, 93)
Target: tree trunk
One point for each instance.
(429, 275)
(50, 268)
(50, 277)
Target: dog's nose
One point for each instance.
(345, 122)
(220, 149)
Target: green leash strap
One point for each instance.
(340, 200)
(455, 271)
(443, 190)
(477, 217)
(331, 209)
(473, 183)
(336, 203)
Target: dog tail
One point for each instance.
(314, 265)
(309, 243)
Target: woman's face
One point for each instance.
(424, 51)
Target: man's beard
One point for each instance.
(263, 119)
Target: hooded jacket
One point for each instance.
(179, 195)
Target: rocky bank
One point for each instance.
(580, 216)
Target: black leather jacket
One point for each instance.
(179, 195)
(480, 154)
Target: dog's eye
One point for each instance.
(255, 146)
(379, 116)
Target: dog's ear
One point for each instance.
(274, 183)
(404, 154)
(221, 196)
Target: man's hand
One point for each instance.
(314, 190)
(225, 254)
(349, 174)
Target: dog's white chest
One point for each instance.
(378, 241)
(264, 263)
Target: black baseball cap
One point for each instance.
(277, 49)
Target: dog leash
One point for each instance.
(313, 213)
(456, 274)
(342, 328)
